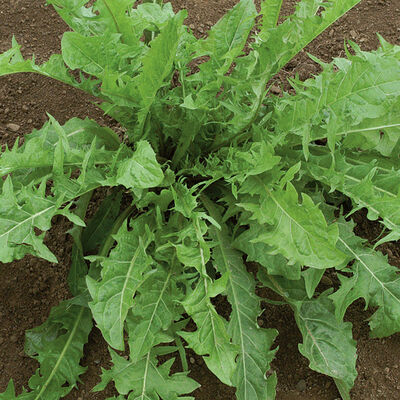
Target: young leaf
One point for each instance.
(373, 279)
(157, 65)
(123, 272)
(142, 170)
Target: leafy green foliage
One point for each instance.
(211, 171)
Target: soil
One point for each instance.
(30, 287)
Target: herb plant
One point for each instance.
(211, 172)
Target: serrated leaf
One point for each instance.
(58, 346)
(254, 343)
(142, 170)
(373, 279)
(296, 230)
(95, 54)
(228, 36)
(146, 379)
(355, 100)
(157, 65)
(366, 184)
(211, 339)
(263, 254)
(12, 62)
(153, 313)
(123, 271)
(327, 341)
(9, 393)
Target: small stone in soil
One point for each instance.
(13, 127)
(301, 385)
(192, 360)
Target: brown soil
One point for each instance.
(30, 287)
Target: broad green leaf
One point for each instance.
(211, 339)
(114, 18)
(296, 230)
(146, 379)
(95, 54)
(58, 346)
(373, 279)
(270, 10)
(227, 37)
(355, 100)
(12, 62)
(153, 313)
(254, 343)
(124, 270)
(327, 341)
(366, 184)
(157, 66)
(142, 170)
(262, 253)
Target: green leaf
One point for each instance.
(146, 379)
(355, 100)
(366, 184)
(254, 343)
(9, 393)
(12, 62)
(77, 136)
(228, 36)
(280, 44)
(296, 230)
(124, 270)
(373, 279)
(211, 339)
(19, 216)
(95, 54)
(157, 66)
(142, 170)
(58, 346)
(270, 10)
(154, 311)
(262, 253)
(327, 341)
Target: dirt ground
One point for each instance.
(30, 287)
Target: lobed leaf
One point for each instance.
(123, 271)
(146, 379)
(297, 231)
(253, 342)
(373, 279)
(327, 341)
